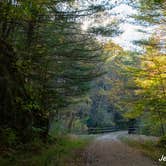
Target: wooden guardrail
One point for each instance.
(102, 130)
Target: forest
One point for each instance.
(64, 68)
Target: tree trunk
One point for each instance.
(72, 116)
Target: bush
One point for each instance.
(8, 137)
(162, 141)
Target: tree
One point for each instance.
(47, 62)
(151, 81)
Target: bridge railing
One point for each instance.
(93, 130)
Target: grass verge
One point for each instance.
(61, 152)
(149, 148)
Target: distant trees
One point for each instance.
(137, 85)
(107, 91)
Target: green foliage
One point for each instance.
(139, 86)
(61, 151)
(58, 128)
(46, 63)
(162, 142)
(109, 30)
(151, 85)
(149, 78)
(8, 137)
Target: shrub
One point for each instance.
(8, 137)
(162, 141)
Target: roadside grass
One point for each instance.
(61, 152)
(149, 148)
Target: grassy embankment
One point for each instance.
(63, 151)
(150, 148)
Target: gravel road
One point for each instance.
(108, 150)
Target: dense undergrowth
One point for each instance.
(60, 151)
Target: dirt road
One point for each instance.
(108, 150)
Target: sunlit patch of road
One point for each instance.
(111, 136)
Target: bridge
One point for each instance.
(97, 130)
